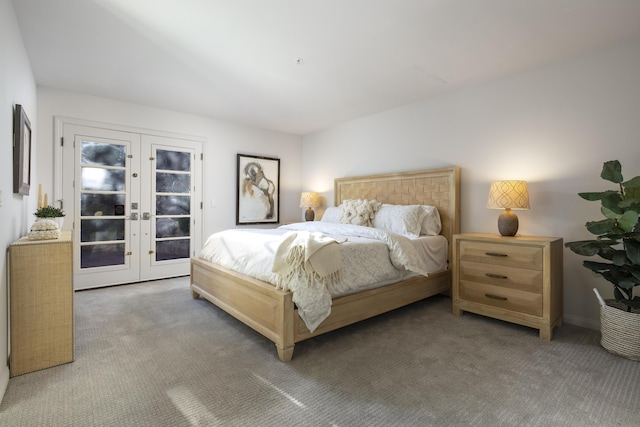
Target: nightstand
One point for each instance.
(517, 279)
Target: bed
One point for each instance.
(272, 312)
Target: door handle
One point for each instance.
(134, 216)
(146, 216)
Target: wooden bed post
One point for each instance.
(286, 340)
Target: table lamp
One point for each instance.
(309, 200)
(508, 195)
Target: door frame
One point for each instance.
(59, 126)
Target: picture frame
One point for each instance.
(21, 152)
(258, 190)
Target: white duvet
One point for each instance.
(369, 256)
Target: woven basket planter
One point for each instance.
(620, 331)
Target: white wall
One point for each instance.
(553, 127)
(17, 86)
(223, 141)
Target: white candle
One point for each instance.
(46, 200)
(39, 196)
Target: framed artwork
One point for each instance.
(21, 152)
(258, 190)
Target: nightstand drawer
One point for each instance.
(501, 254)
(501, 297)
(500, 275)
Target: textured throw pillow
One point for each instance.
(358, 212)
(431, 224)
(400, 219)
(332, 214)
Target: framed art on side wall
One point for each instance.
(21, 151)
(258, 190)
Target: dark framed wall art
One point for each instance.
(258, 190)
(21, 152)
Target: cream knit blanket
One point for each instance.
(306, 264)
(311, 255)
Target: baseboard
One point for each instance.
(4, 381)
(582, 321)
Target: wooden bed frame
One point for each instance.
(272, 312)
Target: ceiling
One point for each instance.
(299, 66)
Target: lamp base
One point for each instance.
(309, 214)
(508, 223)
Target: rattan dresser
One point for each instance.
(517, 279)
(41, 303)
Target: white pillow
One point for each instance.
(400, 219)
(358, 212)
(332, 214)
(431, 225)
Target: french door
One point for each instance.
(133, 202)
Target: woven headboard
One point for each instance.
(435, 187)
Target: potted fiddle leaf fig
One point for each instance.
(617, 246)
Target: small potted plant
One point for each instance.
(50, 212)
(617, 244)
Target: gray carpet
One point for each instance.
(149, 355)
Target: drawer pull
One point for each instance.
(495, 276)
(495, 254)
(495, 297)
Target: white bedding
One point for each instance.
(370, 258)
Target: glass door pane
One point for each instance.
(172, 204)
(102, 199)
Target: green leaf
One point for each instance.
(612, 202)
(632, 183)
(585, 247)
(612, 171)
(598, 267)
(632, 247)
(601, 227)
(607, 252)
(635, 272)
(628, 221)
(630, 203)
(609, 277)
(593, 196)
(608, 213)
(615, 235)
(620, 258)
(626, 283)
(631, 194)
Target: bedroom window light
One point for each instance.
(508, 195)
(309, 200)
